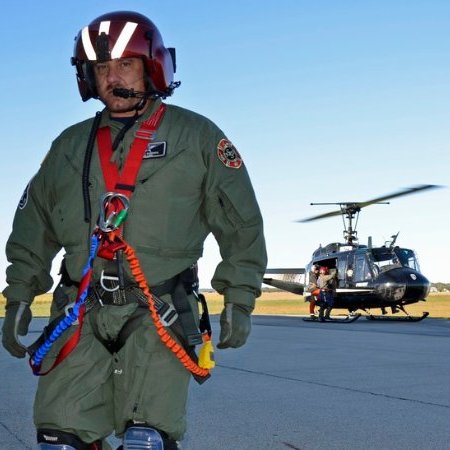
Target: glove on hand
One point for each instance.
(17, 319)
(235, 326)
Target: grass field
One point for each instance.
(275, 303)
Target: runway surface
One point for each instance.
(298, 385)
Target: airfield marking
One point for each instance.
(335, 386)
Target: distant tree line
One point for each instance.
(441, 287)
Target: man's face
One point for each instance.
(127, 73)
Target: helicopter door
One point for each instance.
(362, 269)
(342, 270)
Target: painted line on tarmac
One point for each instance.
(334, 386)
(11, 433)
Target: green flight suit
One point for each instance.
(185, 191)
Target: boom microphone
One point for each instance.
(129, 93)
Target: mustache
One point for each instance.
(129, 85)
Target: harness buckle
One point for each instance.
(111, 214)
(167, 314)
(112, 280)
(68, 309)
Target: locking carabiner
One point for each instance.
(111, 214)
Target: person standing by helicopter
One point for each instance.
(313, 289)
(327, 285)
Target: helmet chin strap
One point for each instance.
(126, 93)
(143, 98)
(142, 102)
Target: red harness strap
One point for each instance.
(124, 182)
(73, 340)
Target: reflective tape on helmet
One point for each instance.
(123, 40)
(87, 44)
(119, 46)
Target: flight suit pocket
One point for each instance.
(235, 214)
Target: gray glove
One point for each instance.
(235, 326)
(17, 319)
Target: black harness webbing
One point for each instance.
(184, 326)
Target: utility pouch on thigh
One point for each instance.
(187, 321)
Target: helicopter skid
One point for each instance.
(407, 318)
(335, 319)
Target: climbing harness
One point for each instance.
(113, 242)
(107, 242)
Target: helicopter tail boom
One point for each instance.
(288, 279)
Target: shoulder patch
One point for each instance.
(24, 199)
(228, 154)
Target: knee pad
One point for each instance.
(142, 438)
(60, 440)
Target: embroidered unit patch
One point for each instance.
(24, 199)
(228, 154)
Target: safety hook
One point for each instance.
(111, 214)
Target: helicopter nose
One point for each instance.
(417, 285)
(402, 284)
(391, 290)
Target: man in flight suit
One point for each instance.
(191, 182)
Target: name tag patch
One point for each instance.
(155, 150)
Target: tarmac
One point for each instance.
(297, 385)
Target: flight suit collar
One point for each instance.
(107, 121)
(153, 160)
(151, 164)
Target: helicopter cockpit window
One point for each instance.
(386, 259)
(407, 258)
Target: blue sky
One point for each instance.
(327, 101)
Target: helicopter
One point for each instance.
(385, 277)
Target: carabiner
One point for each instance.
(115, 218)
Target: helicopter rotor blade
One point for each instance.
(353, 207)
(321, 216)
(406, 191)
